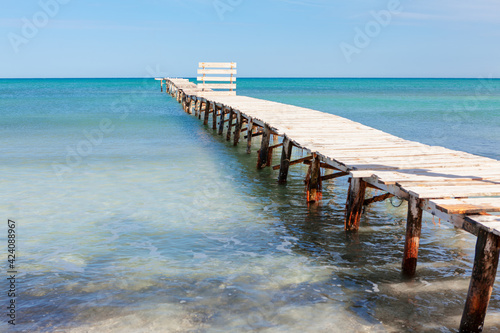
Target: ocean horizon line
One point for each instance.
(254, 77)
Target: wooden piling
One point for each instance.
(249, 135)
(354, 204)
(190, 106)
(183, 104)
(230, 124)
(263, 157)
(201, 109)
(286, 155)
(313, 180)
(214, 117)
(482, 281)
(207, 112)
(237, 128)
(412, 241)
(197, 108)
(221, 120)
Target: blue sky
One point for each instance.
(273, 38)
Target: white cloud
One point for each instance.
(452, 10)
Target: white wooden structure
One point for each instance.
(218, 78)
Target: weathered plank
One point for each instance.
(468, 205)
(377, 198)
(216, 78)
(217, 64)
(217, 71)
(217, 86)
(334, 175)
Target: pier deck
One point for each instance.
(455, 186)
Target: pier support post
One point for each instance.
(482, 281)
(313, 180)
(286, 155)
(230, 125)
(237, 128)
(197, 108)
(214, 117)
(207, 111)
(412, 241)
(161, 86)
(249, 135)
(190, 107)
(201, 108)
(354, 204)
(263, 158)
(221, 120)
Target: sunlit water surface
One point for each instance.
(134, 217)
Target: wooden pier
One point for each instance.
(458, 187)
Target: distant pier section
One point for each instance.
(455, 186)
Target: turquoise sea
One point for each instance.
(134, 217)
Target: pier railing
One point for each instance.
(223, 83)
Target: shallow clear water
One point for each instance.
(134, 217)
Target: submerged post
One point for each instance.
(481, 282)
(237, 128)
(221, 120)
(197, 108)
(313, 180)
(190, 106)
(185, 104)
(230, 124)
(286, 155)
(249, 135)
(207, 111)
(201, 109)
(214, 117)
(412, 241)
(264, 148)
(354, 205)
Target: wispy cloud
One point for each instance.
(445, 11)
(453, 10)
